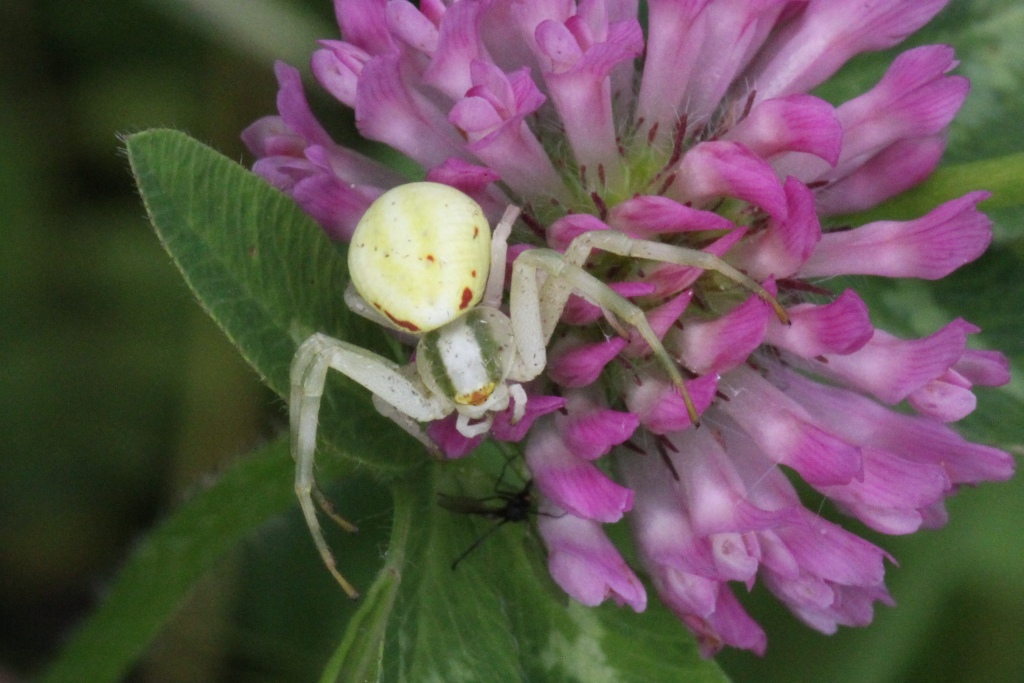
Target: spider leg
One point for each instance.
(358, 305)
(623, 245)
(328, 509)
(532, 310)
(315, 357)
(409, 425)
(519, 399)
(499, 255)
(468, 430)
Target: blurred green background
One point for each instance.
(118, 396)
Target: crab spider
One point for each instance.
(423, 262)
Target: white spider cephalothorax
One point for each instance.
(423, 261)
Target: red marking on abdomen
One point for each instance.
(467, 296)
(404, 324)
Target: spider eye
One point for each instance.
(421, 254)
(467, 359)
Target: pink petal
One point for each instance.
(891, 368)
(893, 170)
(589, 430)
(537, 406)
(663, 530)
(795, 123)
(563, 231)
(840, 327)
(711, 170)
(649, 215)
(284, 172)
(659, 405)
(364, 24)
(353, 168)
(390, 110)
(675, 33)
(684, 567)
(337, 206)
(294, 110)
(823, 605)
(827, 34)
(716, 495)
(492, 117)
(586, 565)
(944, 400)
(729, 624)
(987, 368)
(410, 26)
(723, 343)
(450, 440)
(735, 32)
(930, 247)
(459, 44)
(469, 178)
(786, 433)
(337, 67)
(570, 482)
(829, 551)
(862, 421)
(271, 136)
(433, 10)
(914, 99)
(513, 30)
(581, 364)
(892, 491)
(577, 79)
(781, 249)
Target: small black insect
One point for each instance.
(504, 506)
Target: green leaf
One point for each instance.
(499, 616)
(269, 277)
(265, 272)
(358, 658)
(168, 563)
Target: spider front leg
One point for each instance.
(533, 310)
(384, 378)
(617, 243)
(499, 254)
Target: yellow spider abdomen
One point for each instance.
(421, 254)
